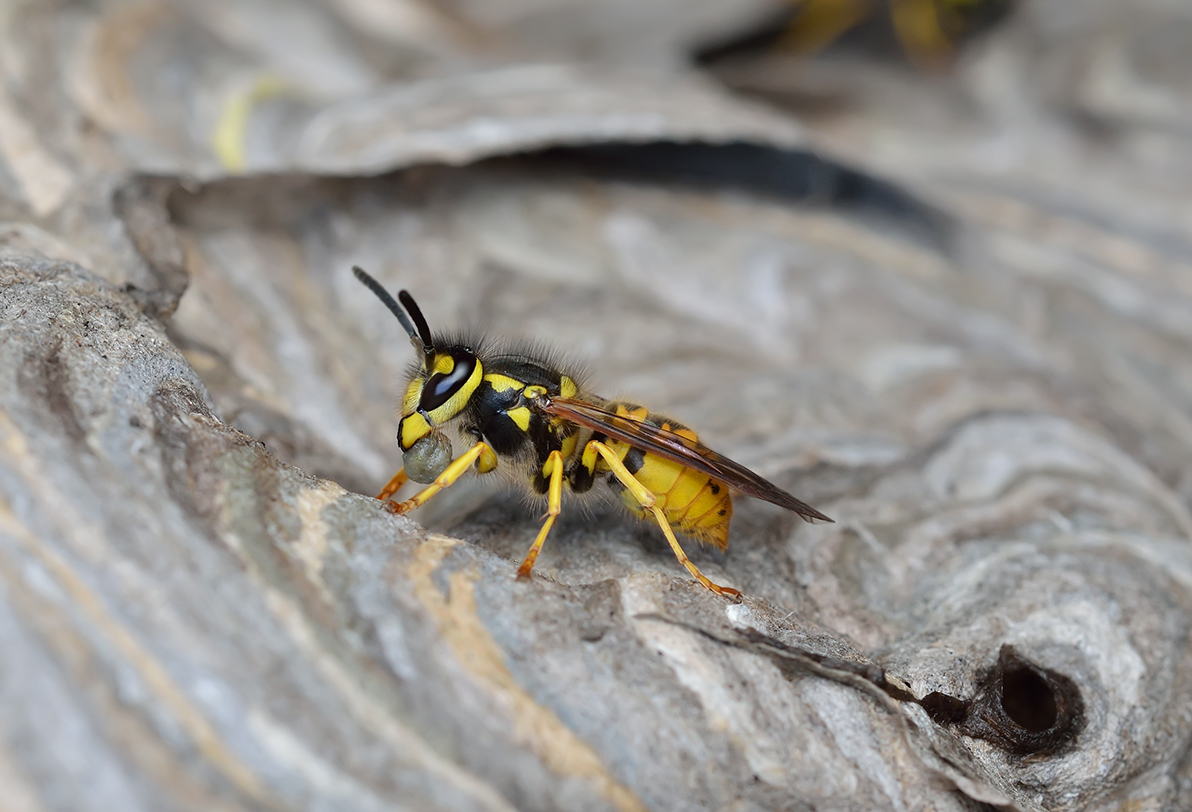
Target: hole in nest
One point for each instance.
(1024, 708)
(1028, 699)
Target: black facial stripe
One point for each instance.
(440, 387)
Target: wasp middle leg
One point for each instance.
(553, 467)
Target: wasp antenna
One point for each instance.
(393, 306)
(423, 328)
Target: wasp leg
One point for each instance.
(647, 500)
(450, 474)
(554, 469)
(394, 485)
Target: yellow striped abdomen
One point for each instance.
(695, 504)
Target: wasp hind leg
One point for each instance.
(450, 475)
(647, 501)
(553, 467)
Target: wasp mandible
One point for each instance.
(519, 410)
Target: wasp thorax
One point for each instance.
(428, 457)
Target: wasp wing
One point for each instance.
(655, 440)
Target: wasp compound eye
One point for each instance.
(442, 386)
(428, 458)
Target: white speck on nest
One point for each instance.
(742, 616)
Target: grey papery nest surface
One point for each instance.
(950, 311)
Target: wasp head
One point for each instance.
(440, 390)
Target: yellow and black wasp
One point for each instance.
(929, 30)
(519, 411)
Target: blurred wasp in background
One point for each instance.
(930, 32)
(927, 29)
(517, 409)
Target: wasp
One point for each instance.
(519, 410)
(928, 30)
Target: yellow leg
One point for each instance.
(394, 485)
(646, 499)
(554, 500)
(450, 474)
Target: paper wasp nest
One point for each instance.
(957, 323)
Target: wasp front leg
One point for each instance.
(553, 468)
(647, 500)
(393, 486)
(458, 467)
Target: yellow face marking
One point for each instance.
(409, 403)
(502, 383)
(460, 399)
(567, 389)
(443, 364)
(413, 427)
(520, 417)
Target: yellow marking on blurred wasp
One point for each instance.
(927, 29)
(228, 138)
(518, 409)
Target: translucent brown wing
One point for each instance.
(655, 440)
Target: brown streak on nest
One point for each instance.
(535, 726)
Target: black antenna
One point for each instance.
(396, 310)
(423, 328)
